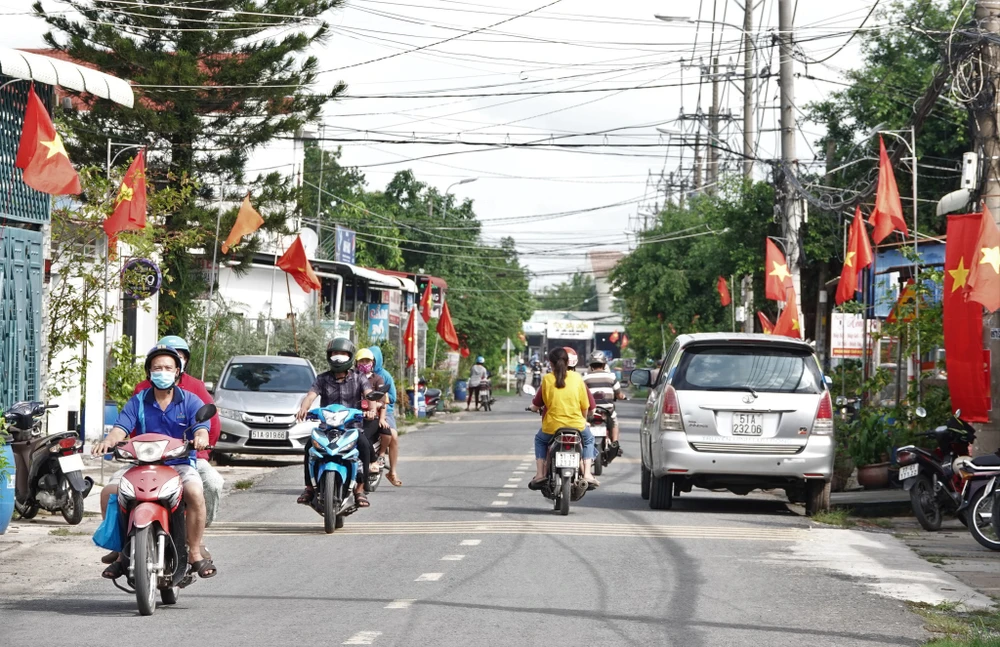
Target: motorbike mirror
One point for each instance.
(840, 401)
(958, 413)
(375, 396)
(921, 412)
(207, 412)
(530, 390)
(942, 428)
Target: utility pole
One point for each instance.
(697, 162)
(713, 130)
(790, 216)
(748, 111)
(988, 16)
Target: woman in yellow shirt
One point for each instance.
(567, 404)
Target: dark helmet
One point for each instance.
(341, 345)
(161, 349)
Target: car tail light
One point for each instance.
(824, 417)
(671, 418)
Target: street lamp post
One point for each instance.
(448, 190)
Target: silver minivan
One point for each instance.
(258, 397)
(739, 412)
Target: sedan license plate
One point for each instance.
(268, 434)
(567, 459)
(71, 463)
(748, 424)
(909, 471)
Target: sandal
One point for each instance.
(536, 484)
(204, 568)
(111, 557)
(361, 500)
(114, 570)
(306, 497)
(392, 478)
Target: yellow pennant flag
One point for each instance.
(247, 222)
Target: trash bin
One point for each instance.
(461, 391)
(421, 406)
(7, 481)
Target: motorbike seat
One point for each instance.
(989, 460)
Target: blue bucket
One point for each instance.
(461, 391)
(7, 481)
(421, 406)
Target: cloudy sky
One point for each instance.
(584, 84)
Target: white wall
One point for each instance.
(252, 293)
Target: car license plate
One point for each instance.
(909, 471)
(71, 463)
(567, 459)
(748, 424)
(268, 434)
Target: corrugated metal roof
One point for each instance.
(45, 69)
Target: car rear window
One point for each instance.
(268, 378)
(771, 370)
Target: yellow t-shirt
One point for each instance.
(564, 407)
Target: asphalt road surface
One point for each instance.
(464, 554)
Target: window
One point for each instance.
(726, 368)
(266, 377)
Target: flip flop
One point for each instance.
(392, 478)
(114, 570)
(204, 568)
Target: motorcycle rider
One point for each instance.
(166, 409)
(567, 404)
(477, 374)
(536, 374)
(347, 387)
(384, 431)
(600, 380)
(521, 374)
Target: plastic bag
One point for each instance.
(107, 534)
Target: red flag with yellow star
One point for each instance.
(887, 216)
(788, 323)
(859, 256)
(765, 324)
(426, 302)
(777, 278)
(963, 321)
(41, 154)
(130, 203)
(295, 263)
(984, 277)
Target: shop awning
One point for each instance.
(436, 281)
(406, 284)
(19, 64)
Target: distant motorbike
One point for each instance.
(486, 395)
(333, 461)
(564, 482)
(536, 377)
(928, 474)
(49, 468)
(431, 397)
(849, 407)
(600, 426)
(521, 377)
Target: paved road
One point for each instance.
(464, 554)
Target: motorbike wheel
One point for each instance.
(599, 461)
(72, 512)
(644, 482)
(926, 507)
(169, 596)
(331, 501)
(145, 560)
(981, 520)
(564, 498)
(26, 512)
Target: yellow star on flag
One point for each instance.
(795, 323)
(849, 260)
(781, 271)
(55, 147)
(991, 257)
(959, 275)
(125, 193)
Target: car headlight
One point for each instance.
(231, 414)
(125, 489)
(170, 493)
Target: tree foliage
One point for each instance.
(579, 292)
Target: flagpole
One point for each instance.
(270, 307)
(291, 310)
(416, 361)
(211, 284)
(732, 280)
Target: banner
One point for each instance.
(566, 329)
(378, 322)
(345, 245)
(847, 332)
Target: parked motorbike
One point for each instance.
(928, 474)
(564, 482)
(333, 462)
(151, 499)
(431, 397)
(980, 476)
(49, 468)
(485, 395)
(849, 407)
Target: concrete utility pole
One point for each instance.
(748, 111)
(713, 130)
(988, 15)
(697, 162)
(790, 216)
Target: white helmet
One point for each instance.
(573, 359)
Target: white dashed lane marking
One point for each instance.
(362, 638)
(452, 558)
(471, 542)
(510, 485)
(493, 514)
(505, 494)
(400, 604)
(514, 480)
(499, 503)
(429, 577)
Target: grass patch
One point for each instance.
(454, 409)
(839, 517)
(882, 522)
(243, 484)
(66, 532)
(956, 629)
(934, 559)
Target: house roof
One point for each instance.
(21, 64)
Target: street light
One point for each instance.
(448, 190)
(696, 21)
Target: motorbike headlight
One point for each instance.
(149, 452)
(335, 418)
(125, 489)
(177, 453)
(170, 493)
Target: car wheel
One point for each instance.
(817, 497)
(661, 493)
(644, 483)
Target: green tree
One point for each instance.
(213, 82)
(577, 293)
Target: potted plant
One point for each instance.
(868, 446)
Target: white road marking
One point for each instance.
(499, 503)
(400, 604)
(494, 514)
(470, 542)
(510, 485)
(518, 473)
(452, 558)
(505, 494)
(362, 638)
(512, 480)
(429, 577)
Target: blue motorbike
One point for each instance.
(333, 461)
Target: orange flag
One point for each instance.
(985, 275)
(888, 214)
(777, 278)
(130, 204)
(446, 328)
(765, 323)
(410, 338)
(859, 256)
(788, 323)
(41, 154)
(425, 302)
(724, 298)
(294, 262)
(247, 222)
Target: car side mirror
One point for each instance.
(210, 387)
(206, 412)
(828, 380)
(640, 377)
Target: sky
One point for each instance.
(595, 81)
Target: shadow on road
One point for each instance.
(249, 460)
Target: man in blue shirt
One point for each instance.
(165, 409)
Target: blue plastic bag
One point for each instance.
(107, 534)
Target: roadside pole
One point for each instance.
(749, 113)
(790, 216)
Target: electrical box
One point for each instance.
(970, 171)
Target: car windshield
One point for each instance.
(268, 378)
(771, 370)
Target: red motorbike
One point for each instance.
(151, 501)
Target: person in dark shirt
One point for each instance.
(344, 386)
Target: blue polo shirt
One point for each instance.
(142, 414)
